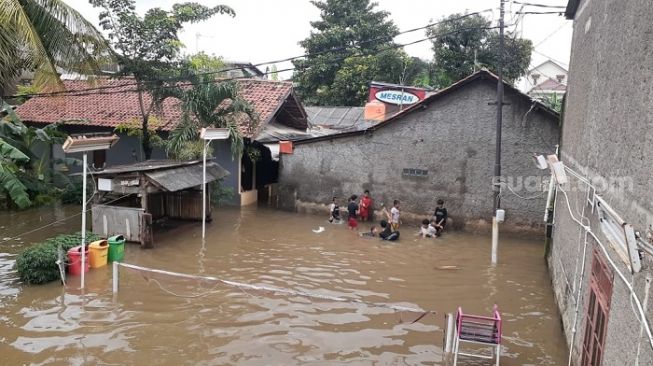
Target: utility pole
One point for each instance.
(497, 157)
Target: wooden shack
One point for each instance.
(130, 198)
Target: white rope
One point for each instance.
(522, 197)
(272, 289)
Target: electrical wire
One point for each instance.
(540, 12)
(58, 221)
(177, 85)
(588, 229)
(540, 5)
(287, 59)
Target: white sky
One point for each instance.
(266, 30)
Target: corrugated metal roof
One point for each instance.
(185, 177)
(338, 118)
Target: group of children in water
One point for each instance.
(363, 209)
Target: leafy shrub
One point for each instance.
(72, 193)
(37, 264)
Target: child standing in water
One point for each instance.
(352, 208)
(334, 211)
(440, 215)
(395, 216)
(365, 205)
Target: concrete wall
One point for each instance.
(454, 139)
(607, 135)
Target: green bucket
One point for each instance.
(116, 248)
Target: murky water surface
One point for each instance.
(158, 320)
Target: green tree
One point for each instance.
(348, 37)
(148, 48)
(22, 172)
(462, 44)
(43, 35)
(210, 104)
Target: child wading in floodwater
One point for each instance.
(427, 230)
(352, 208)
(395, 216)
(365, 206)
(370, 234)
(440, 216)
(334, 211)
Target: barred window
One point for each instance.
(411, 172)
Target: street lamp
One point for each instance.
(84, 144)
(208, 135)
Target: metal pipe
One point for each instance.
(448, 341)
(204, 190)
(115, 277)
(549, 198)
(609, 209)
(84, 219)
(495, 239)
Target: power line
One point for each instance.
(564, 23)
(540, 12)
(541, 5)
(126, 89)
(287, 59)
(58, 221)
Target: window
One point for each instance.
(560, 78)
(598, 308)
(410, 172)
(535, 77)
(99, 159)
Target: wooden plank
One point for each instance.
(147, 239)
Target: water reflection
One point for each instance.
(147, 324)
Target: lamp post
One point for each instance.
(208, 134)
(84, 144)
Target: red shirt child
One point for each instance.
(365, 205)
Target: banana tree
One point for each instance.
(11, 160)
(22, 171)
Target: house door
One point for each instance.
(598, 308)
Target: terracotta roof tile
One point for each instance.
(109, 109)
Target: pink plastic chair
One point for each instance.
(478, 330)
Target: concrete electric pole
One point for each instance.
(497, 157)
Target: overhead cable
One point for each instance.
(287, 59)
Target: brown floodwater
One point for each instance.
(159, 320)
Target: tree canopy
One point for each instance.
(461, 44)
(44, 35)
(351, 45)
(148, 47)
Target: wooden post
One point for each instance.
(147, 239)
(142, 188)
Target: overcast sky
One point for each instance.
(265, 30)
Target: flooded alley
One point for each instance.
(159, 320)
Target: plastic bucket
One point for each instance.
(75, 261)
(116, 248)
(98, 251)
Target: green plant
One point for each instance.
(341, 77)
(22, 171)
(464, 43)
(148, 48)
(253, 153)
(220, 194)
(42, 36)
(37, 264)
(211, 104)
(72, 193)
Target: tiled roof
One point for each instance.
(109, 108)
(549, 85)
